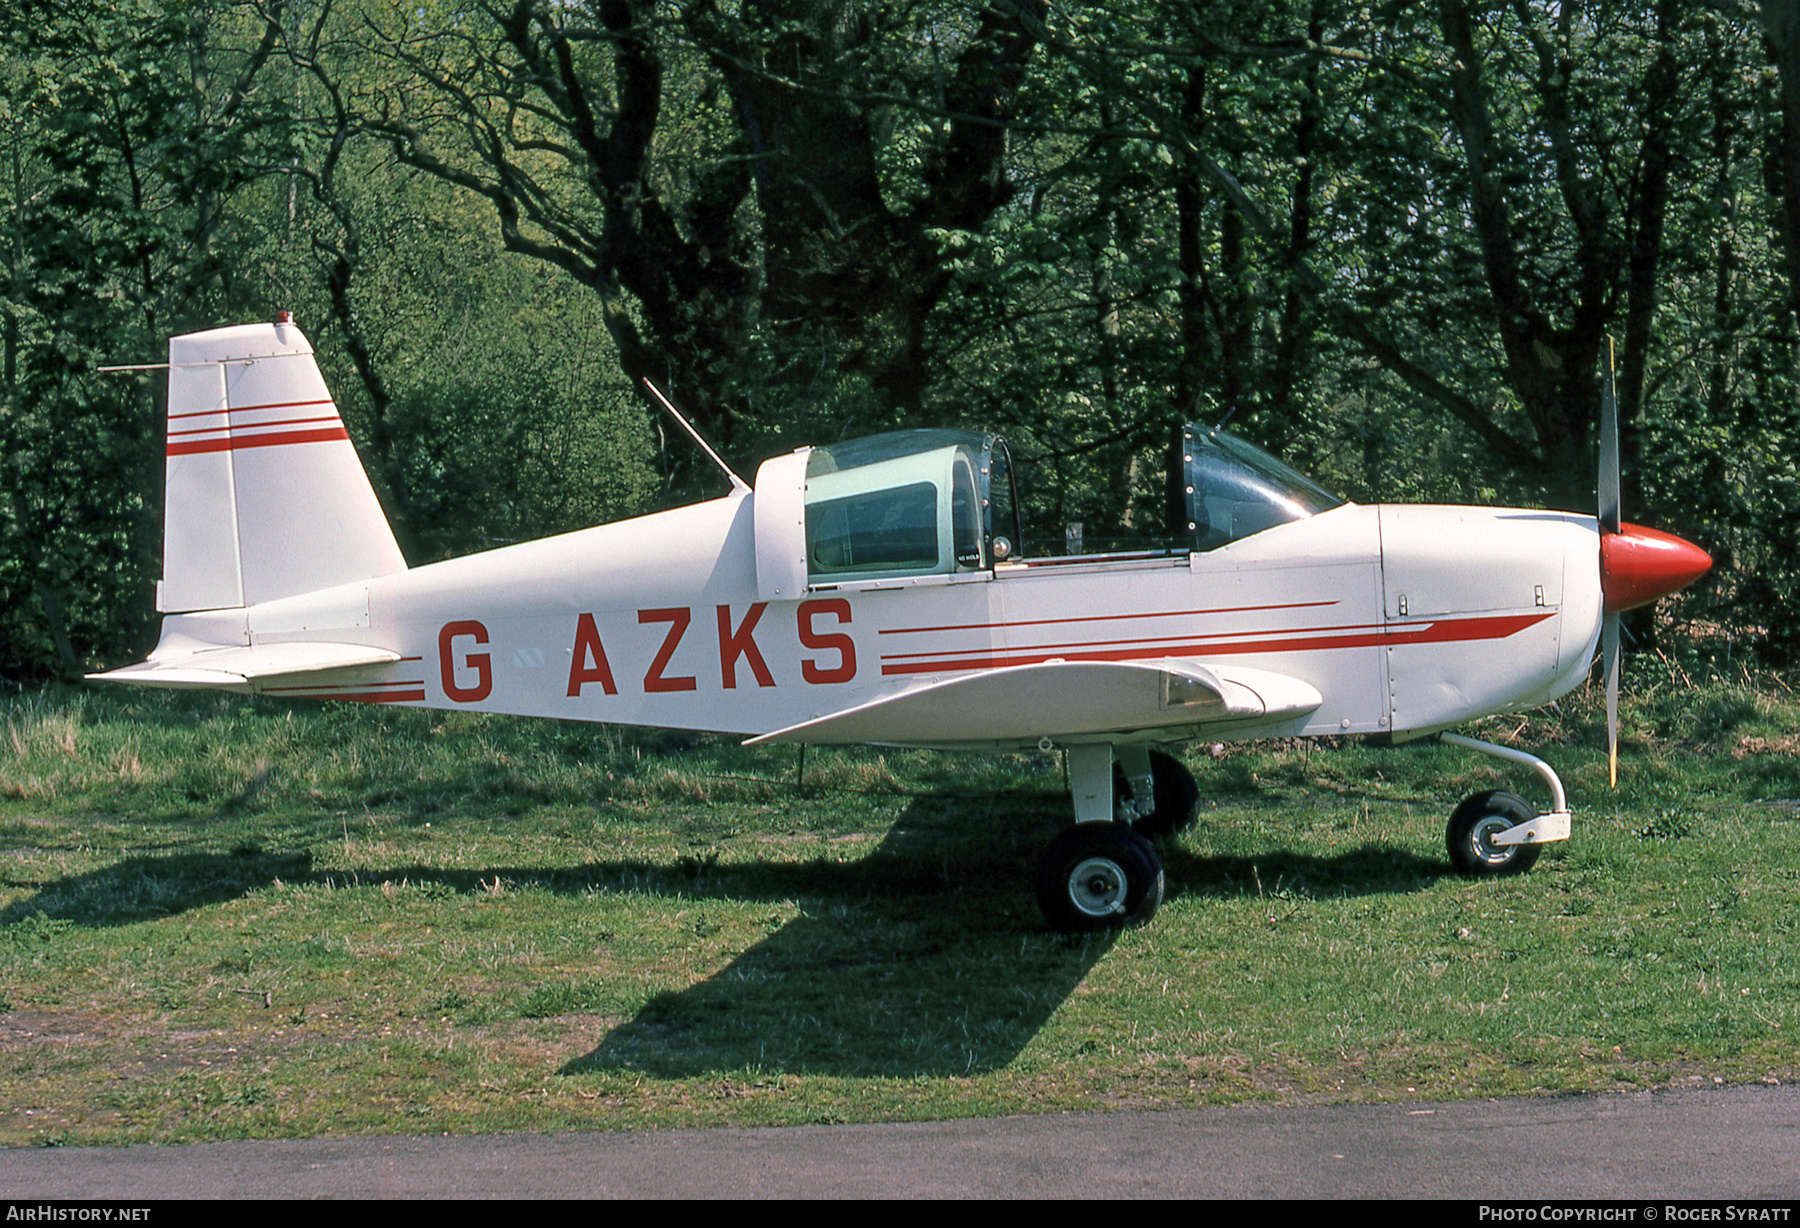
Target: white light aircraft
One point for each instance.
(868, 592)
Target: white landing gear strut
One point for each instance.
(1099, 874)
(1498, 832)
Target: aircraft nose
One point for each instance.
(1638, 565)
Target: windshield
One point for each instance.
(1234, 489)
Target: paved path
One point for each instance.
(1741, 1142)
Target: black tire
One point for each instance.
(1177, 796)
(1476, 821)
(1097, 876)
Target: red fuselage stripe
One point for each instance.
(323, 690)
(1103, 618)
(1442, 631)
(415, 695)
(1217, 639)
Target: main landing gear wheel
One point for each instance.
(1177, 796)
(1473, 826)
(1099, 876)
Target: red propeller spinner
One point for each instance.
(1639, 565)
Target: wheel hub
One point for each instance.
(1097, 887)
(1483, 839)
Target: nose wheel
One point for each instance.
(1475, 823)
(1476, 827)
(1099, 876)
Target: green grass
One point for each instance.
(224, 918)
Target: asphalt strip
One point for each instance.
(1736, 1143)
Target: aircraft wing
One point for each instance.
(1061, 700)
(238, 668)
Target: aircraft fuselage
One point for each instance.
(1404, 619)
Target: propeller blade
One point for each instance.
(1609, 640)
(1610, 515)
(1611, 527)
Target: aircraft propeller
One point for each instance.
(1610, 525)
(1637, 565)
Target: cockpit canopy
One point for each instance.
(904, 504)
(942, 502)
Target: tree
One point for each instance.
(1781, 27)
(130, 127)
(747, 188)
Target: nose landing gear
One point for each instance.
(1496, 833)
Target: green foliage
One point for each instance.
(120, 154)
(150, 186)
(508, 414)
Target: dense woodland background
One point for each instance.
(1390, 240)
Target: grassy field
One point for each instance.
(228, 918)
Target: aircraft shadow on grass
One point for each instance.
(932, 941)
(936, 945)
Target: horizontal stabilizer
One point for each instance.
(237, 668)
(1059, 700)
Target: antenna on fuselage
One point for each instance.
(737, 483)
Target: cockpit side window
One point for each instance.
(889, 530)
(906, 504)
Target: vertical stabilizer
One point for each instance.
(266, 497)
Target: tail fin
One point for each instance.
(265, 495)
